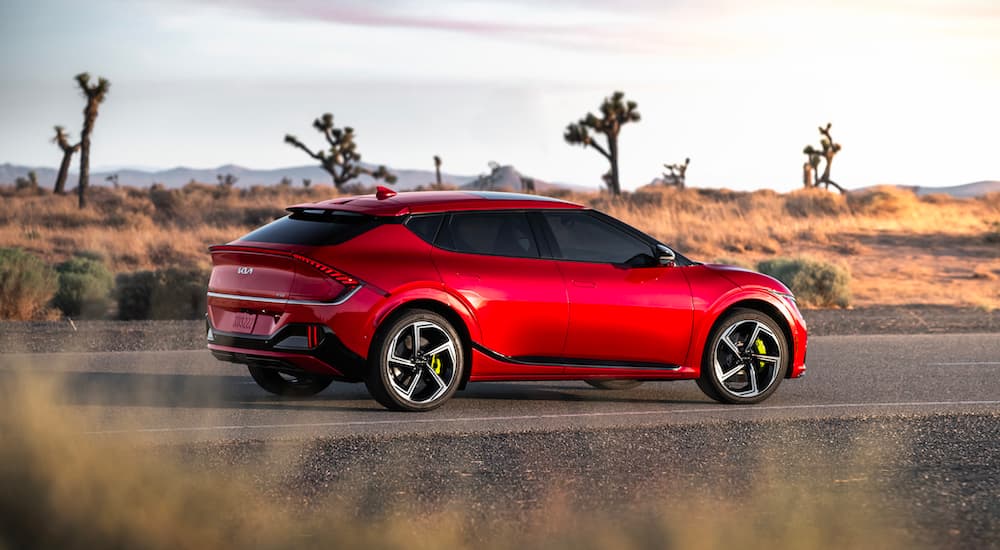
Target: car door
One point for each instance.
(618, 314)
(492, 259)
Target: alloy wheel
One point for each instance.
(421, 362)
(747, 359)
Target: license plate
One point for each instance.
(243, 322)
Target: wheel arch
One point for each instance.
(757, 303)
(457, 320)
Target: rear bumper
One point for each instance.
(292, 348)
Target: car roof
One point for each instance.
(420, 202)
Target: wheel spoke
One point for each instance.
(442, 347)
(436, 377)
(727, 375)
(416, 340)
(753, 337)
(768, 358)
(413, 383)
(752, 377)
(393, 358)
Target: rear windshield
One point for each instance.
(313, 228)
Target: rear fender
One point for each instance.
(430, 292)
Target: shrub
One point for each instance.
(84, 287)
(814, 283)
(26, 284)
(171, 293)
(806, 203)
(883, 201)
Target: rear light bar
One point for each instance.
(339, 276)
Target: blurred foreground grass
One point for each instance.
(64, 488)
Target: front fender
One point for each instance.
(753, 298)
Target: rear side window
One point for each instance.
(425, 227)
(493, 233)
(313, 228)
(585, 238)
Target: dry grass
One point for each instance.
(899, 248)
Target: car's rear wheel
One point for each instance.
(746, 358)
(417, 362)
(614, 384)
(287, 384)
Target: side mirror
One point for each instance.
(665, 256)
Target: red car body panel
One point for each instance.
(524, 318)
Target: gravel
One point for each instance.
(935, 478)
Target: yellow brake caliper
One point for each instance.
(436, 364)
(761, 350)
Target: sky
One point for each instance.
(910, 86)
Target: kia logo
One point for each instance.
(244, 270)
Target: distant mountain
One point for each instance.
(501, 177)
(977, 189)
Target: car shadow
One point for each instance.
(527, 392)
(177, 390)
(240, 392)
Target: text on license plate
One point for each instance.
(243, 322)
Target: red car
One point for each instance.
(419, 293)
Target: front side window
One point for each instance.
(582, 237)
(492, 233)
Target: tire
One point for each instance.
(289, 385)
(746, 357)
(405, 377)
(614, 384)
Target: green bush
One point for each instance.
(26, 284)
(171, 293)
(84, 287)
(814, 283)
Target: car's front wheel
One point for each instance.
(416, 362)
(289, 385)
(746, 358)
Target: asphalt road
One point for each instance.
(189, 396)
(895, 437)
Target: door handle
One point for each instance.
(584, 284)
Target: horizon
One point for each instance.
(740, 89)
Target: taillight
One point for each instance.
(341, 278)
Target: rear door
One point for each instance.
(639, 315)
(492, 259)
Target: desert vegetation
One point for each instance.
(615, 112)
(878, 246)
(342, 160)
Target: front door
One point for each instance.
(623, 306)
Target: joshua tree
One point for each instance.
(113, 180)
(95, 94)
(437, 169)
(828, 149)
(677, 173)
(306, 182)
(615, 112)
(62, 140)
(342, 159)
(227, 180)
